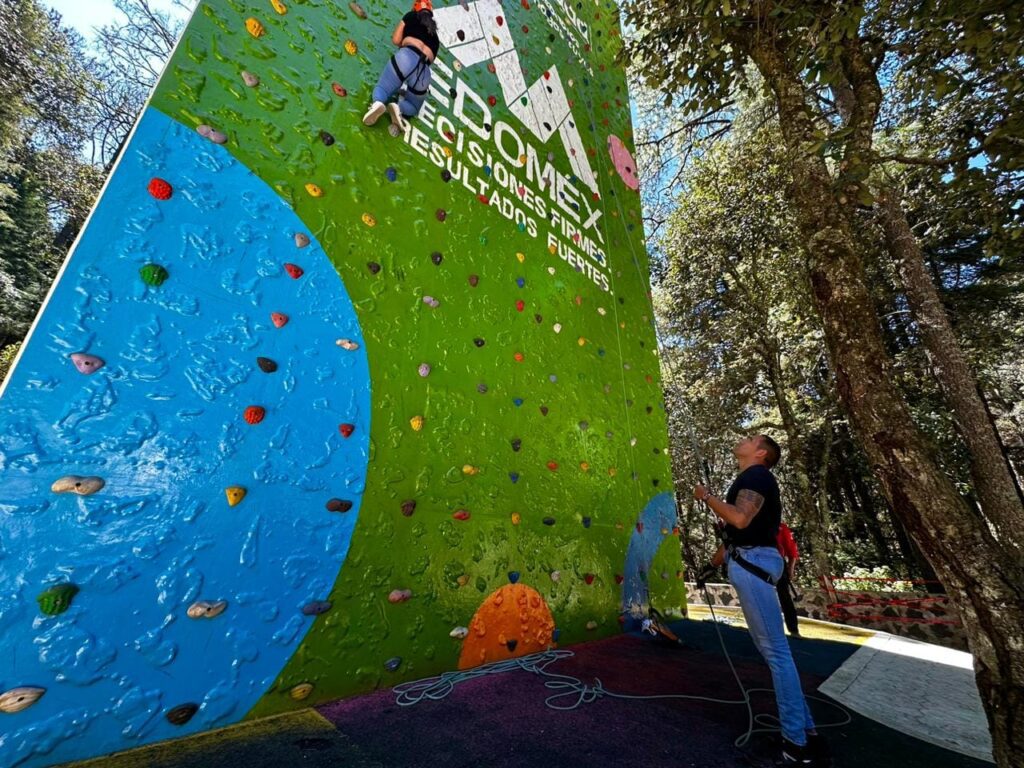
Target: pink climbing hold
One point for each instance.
(294, 271)
(279, 319)
(399, 595)
(623, 162)
(87, 363)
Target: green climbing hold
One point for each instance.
(56, 600)
(153, 274)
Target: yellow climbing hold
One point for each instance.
(584, 466)
(278, 6)
(447, 151)
(522, 159)
(469, 469)
(581, 341)
(612, 471)
(368, 220)
(254, 27)
(462, 580)
(521, 257)
(351, 48)
(235, 494)
(314, 190)
(516, 519)
(416, 422)
(301, 691)
(553, 249)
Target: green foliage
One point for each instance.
(7, 355)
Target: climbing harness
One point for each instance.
(422, 65)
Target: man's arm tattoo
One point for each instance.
(749, 503)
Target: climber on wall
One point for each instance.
(416, 36)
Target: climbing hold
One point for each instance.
(462, 580)
(339, 90)
(346, 429)
(619, 578)
(416, 422)
(86, 363)
(521, 257)
(554, 635)
(481, 388)
(520, 281)
(441, 214)
(17, 699)
(373, 266)
(437, 258)
(266, 364)
(338, 505)
(208, 132)
(469, 469)
(553, 466)
(461, 514)
(520, 305)
(392, 664)
(181, 714)
(153, 274)
(517, 401)
(585, 466)
(250, 79)
(591, 625)
(206, 609)
(326, 138)
(314, 190)
(446, 175)
(431, 302)
(254, 414)
(279, 319)
(513, 476)
(294, 270)
(589, 578)
(235, 494)
(56, 599)
(83, 486)
(316, 607)
(399, 595)
(369, 220)
(556, 576)
(516, 518)
(511, 645)
(518, 357)
(586, 522)
(639, 526)
(278, 6)
(391, 174)
(479, 342)
(473, 280)
(513, 576)
(408, 507)
(543, 410)
(347, 344)
(351, 48)
(357, 9)
(301, 240)
(517, 444)
(301, 691)
(160, 189)
(459, 633)
(548, 521)
(584, 426)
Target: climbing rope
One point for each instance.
(571, 692)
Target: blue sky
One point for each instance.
(85, 15)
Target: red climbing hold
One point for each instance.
(640, 526)
(518, 357)
(254, 414)
(338, 90)
(553, 465)
(484, 199)
(346, 429)
(160, 189)
(294, 271)
(461, 514)
(492, 100)
(520, 305)
(589, 578)
(547, 75)
(500, 21)
(279, 319)
(619, 578)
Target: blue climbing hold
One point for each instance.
(520, 282)
(586, 522)
(391, 173)
(513, 576)
(518, 401)
(513, 476)
(392, 664)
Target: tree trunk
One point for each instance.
(984, 578)
(991, 477)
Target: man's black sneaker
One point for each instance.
(793, 755)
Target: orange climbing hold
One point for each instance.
(314, 190)
(513, 621)
(254, 414)
(279, 319)
(235, 494)
(351, 48)
(254, 27)
(278, 6)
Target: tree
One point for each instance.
(703, 50)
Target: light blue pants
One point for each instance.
(760, 603)
(416, 71)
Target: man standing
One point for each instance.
(790, 554)
(752, 511)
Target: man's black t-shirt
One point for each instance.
(764, 526)
(414, 27)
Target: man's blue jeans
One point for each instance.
(417, 75)
(760, 603)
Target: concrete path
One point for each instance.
(923, 690)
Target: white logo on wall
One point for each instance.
(472, 34)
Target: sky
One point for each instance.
(85, 15)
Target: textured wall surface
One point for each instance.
(346, 407)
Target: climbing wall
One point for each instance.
(316, 407)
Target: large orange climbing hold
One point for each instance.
(254, 27)
(254, 414)
(513, 621)
(160, 189)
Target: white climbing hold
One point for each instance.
(206, 609)
(83, 486)
(208, 132)
(301, 240)
(348, 344)
(18, 699)
(459, 633)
